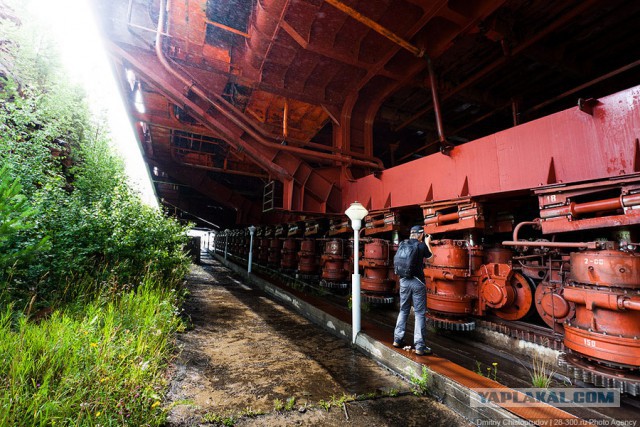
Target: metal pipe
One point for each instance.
(504, 59)
(436, 102)
(266, 163)
(252, 231)
(311, 154)
(226, 28)
(454, 132)
(585, 85)
(515, 242)
(515, 111)
(285, 119)
(221, 170)
(226, 243)
(442, 218)
(191, 84)
(631, 304)
(578, 209)
(377, 27)
(310, 144)
(587, 245)
(535, 223)
(355, 285)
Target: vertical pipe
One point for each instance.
(250, 254)
(515, 111)
(436, 101)
(285, 120)
(226, 242)
(355, 283)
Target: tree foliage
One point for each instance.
(66, 210)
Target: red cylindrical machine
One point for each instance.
(497, 256)
(450, 289)
(307, 263)
(334, 273)
(376, 263)
(605, 288)
(348, 257)
(552, 307)
(289, 259)
(275, 249)
(263, 251)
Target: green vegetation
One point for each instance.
(280, 406)
(228, 421)
(89, 275)
(541, 372)
(98, 366)
(491, 371)
(421, 383)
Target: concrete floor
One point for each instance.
(245, 353)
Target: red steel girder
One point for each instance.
(313, 193)
(199, 181)
(569, 146)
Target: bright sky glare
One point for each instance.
(72, 24)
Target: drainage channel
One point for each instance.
(246, 359)
(461, 361)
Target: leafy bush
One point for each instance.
(72, 216)
(78, 245)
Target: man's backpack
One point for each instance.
(407, 262)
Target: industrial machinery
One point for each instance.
(510, 129)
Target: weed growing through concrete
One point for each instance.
(325, 405)
(541, 372)
(228, 421)
(250, 413)
(421, 383)
(289, 406)
(492, 371)
(343, 399)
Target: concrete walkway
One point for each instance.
(246, 354)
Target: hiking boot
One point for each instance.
(423, 351)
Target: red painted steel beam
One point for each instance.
(558, 23)
(368, 105)
(578, 146)
(199, 181)
(279, 162)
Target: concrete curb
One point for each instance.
(455, 396)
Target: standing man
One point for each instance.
(409, 265)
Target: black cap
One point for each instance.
(417, 229)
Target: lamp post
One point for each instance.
(356, 212)
(252, 231)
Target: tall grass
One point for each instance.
(102, 365)
(541, 372)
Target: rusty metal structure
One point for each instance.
(333, 260)
(509, 128)
(378, 281)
